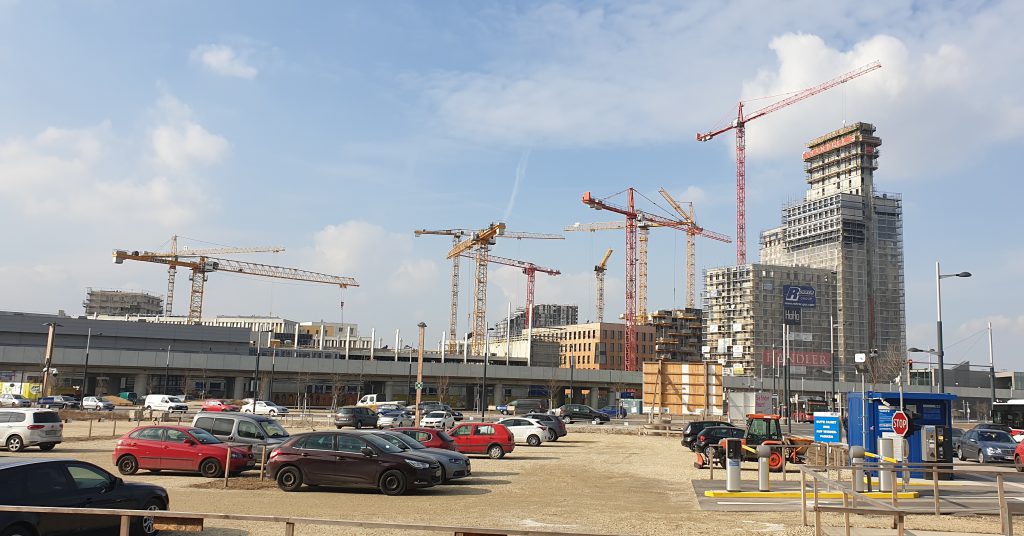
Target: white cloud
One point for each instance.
(223, 60)
(376, 257)
(180, 141)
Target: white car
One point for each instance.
(438, 419)
(97, 404)
(264, 407)
(526, 430)
(14, 401)
(395, 419)
(20, 428)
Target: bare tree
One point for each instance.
(888, 364)
(552, 385)
(442, 388)
(336, 384)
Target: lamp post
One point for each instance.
(419, 370)
(85, 373)
(991, 366)
(572, 383)
(51, 331)
(938, 321)
(483, 389)
(273, 367)
(832, 355)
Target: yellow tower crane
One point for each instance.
(480, 241)
(692, 232)
(172, 270)
(599, 271)
(643, 229)
(202, 265)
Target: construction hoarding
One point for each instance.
(676, 388)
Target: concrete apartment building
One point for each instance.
(677, 334)
(122, 302)
(745, 308)
(544, 316)
(845, 226)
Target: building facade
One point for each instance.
(845, 226)
(599, 345)
(122, 302)
(749, 310)
(677, 334)
(544, 315)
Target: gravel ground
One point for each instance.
(593, 481)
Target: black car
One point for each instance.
(693, 429)
(71, 483)
(554, 424)
(708, 439)
(59, 402)
(580, 412)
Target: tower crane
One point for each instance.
(643, 234)
(740, 126)
(530, 270)
(633, 215)
(172, 270)
(691, 234)
(599, 271)
(462, 241)
(202, 265)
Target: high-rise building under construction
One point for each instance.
(845, 226)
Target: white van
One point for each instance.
(165, 403)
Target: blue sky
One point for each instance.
(336, 129)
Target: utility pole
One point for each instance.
(419, 371)
(85, 373)
(48, 357)
(991, 367)
(167, 371)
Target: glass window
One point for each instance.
(223, 427)
(273, 429)
(461, 431)
(86, 477)
(203, 436)
(175, 436)
(422, 436)
(315, 442)
(48, 479)
(249, 430)
(5, 416)
(484, 430)
(206, 423)
(350, 444)
(379, 443)
(149, 434)
(40, 417)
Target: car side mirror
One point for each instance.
(188, 442)
(367, 451)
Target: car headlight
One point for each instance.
(236, 456)
(454, 460)
(417, 465)
(991, 450)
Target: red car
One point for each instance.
(214, 404)
(430, 437)
(492, 439)
(178, 448)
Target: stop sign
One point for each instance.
(900, 423)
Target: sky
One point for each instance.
(336, 129)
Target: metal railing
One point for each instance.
(194, 521)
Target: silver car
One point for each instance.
(97, 404)
(14, 401)
(395, 419)
(453, 464)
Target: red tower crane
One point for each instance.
(740, 126)
(633, 215)
(530, 270)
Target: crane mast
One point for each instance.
(740, 126)
(599, 271)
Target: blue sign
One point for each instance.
(885, 418)
(826, 427)
(798, 296)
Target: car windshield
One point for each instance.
(382, 444)
(346, 411)
(203, 436)
(391, 414)
(174, 399)
(42, 417)
(436, 415)
(273, 429)
(995, 436)
(19, 397)
(405, 440)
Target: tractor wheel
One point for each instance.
(775, 461)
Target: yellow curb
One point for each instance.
(796, 494)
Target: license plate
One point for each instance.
(52, 432)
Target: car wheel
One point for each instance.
(533, 440)
(444, 475)
(960, 454)
(150, 408)
(1018, 464)
(46, 446)
(210, 468)
(273, 413)
(392, 483)
(359, 424)
(552, 436)
(496, 452)
(144, 525)
(289, 479)
(15, 443)
(18, 530)
(127, 465)
(981, 456)
(567, 420)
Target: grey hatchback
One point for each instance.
(453, 464)
(355, 416)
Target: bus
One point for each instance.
(805, 408)
(1010, 413)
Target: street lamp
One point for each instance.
(572, 384)
(483, 390)
(48, 356)
(85, 373)
(167, 371)
(419, 371)
(273, 367)
(938, 322)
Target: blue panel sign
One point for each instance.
(885, 418)
(826, 427)
(798, 296)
